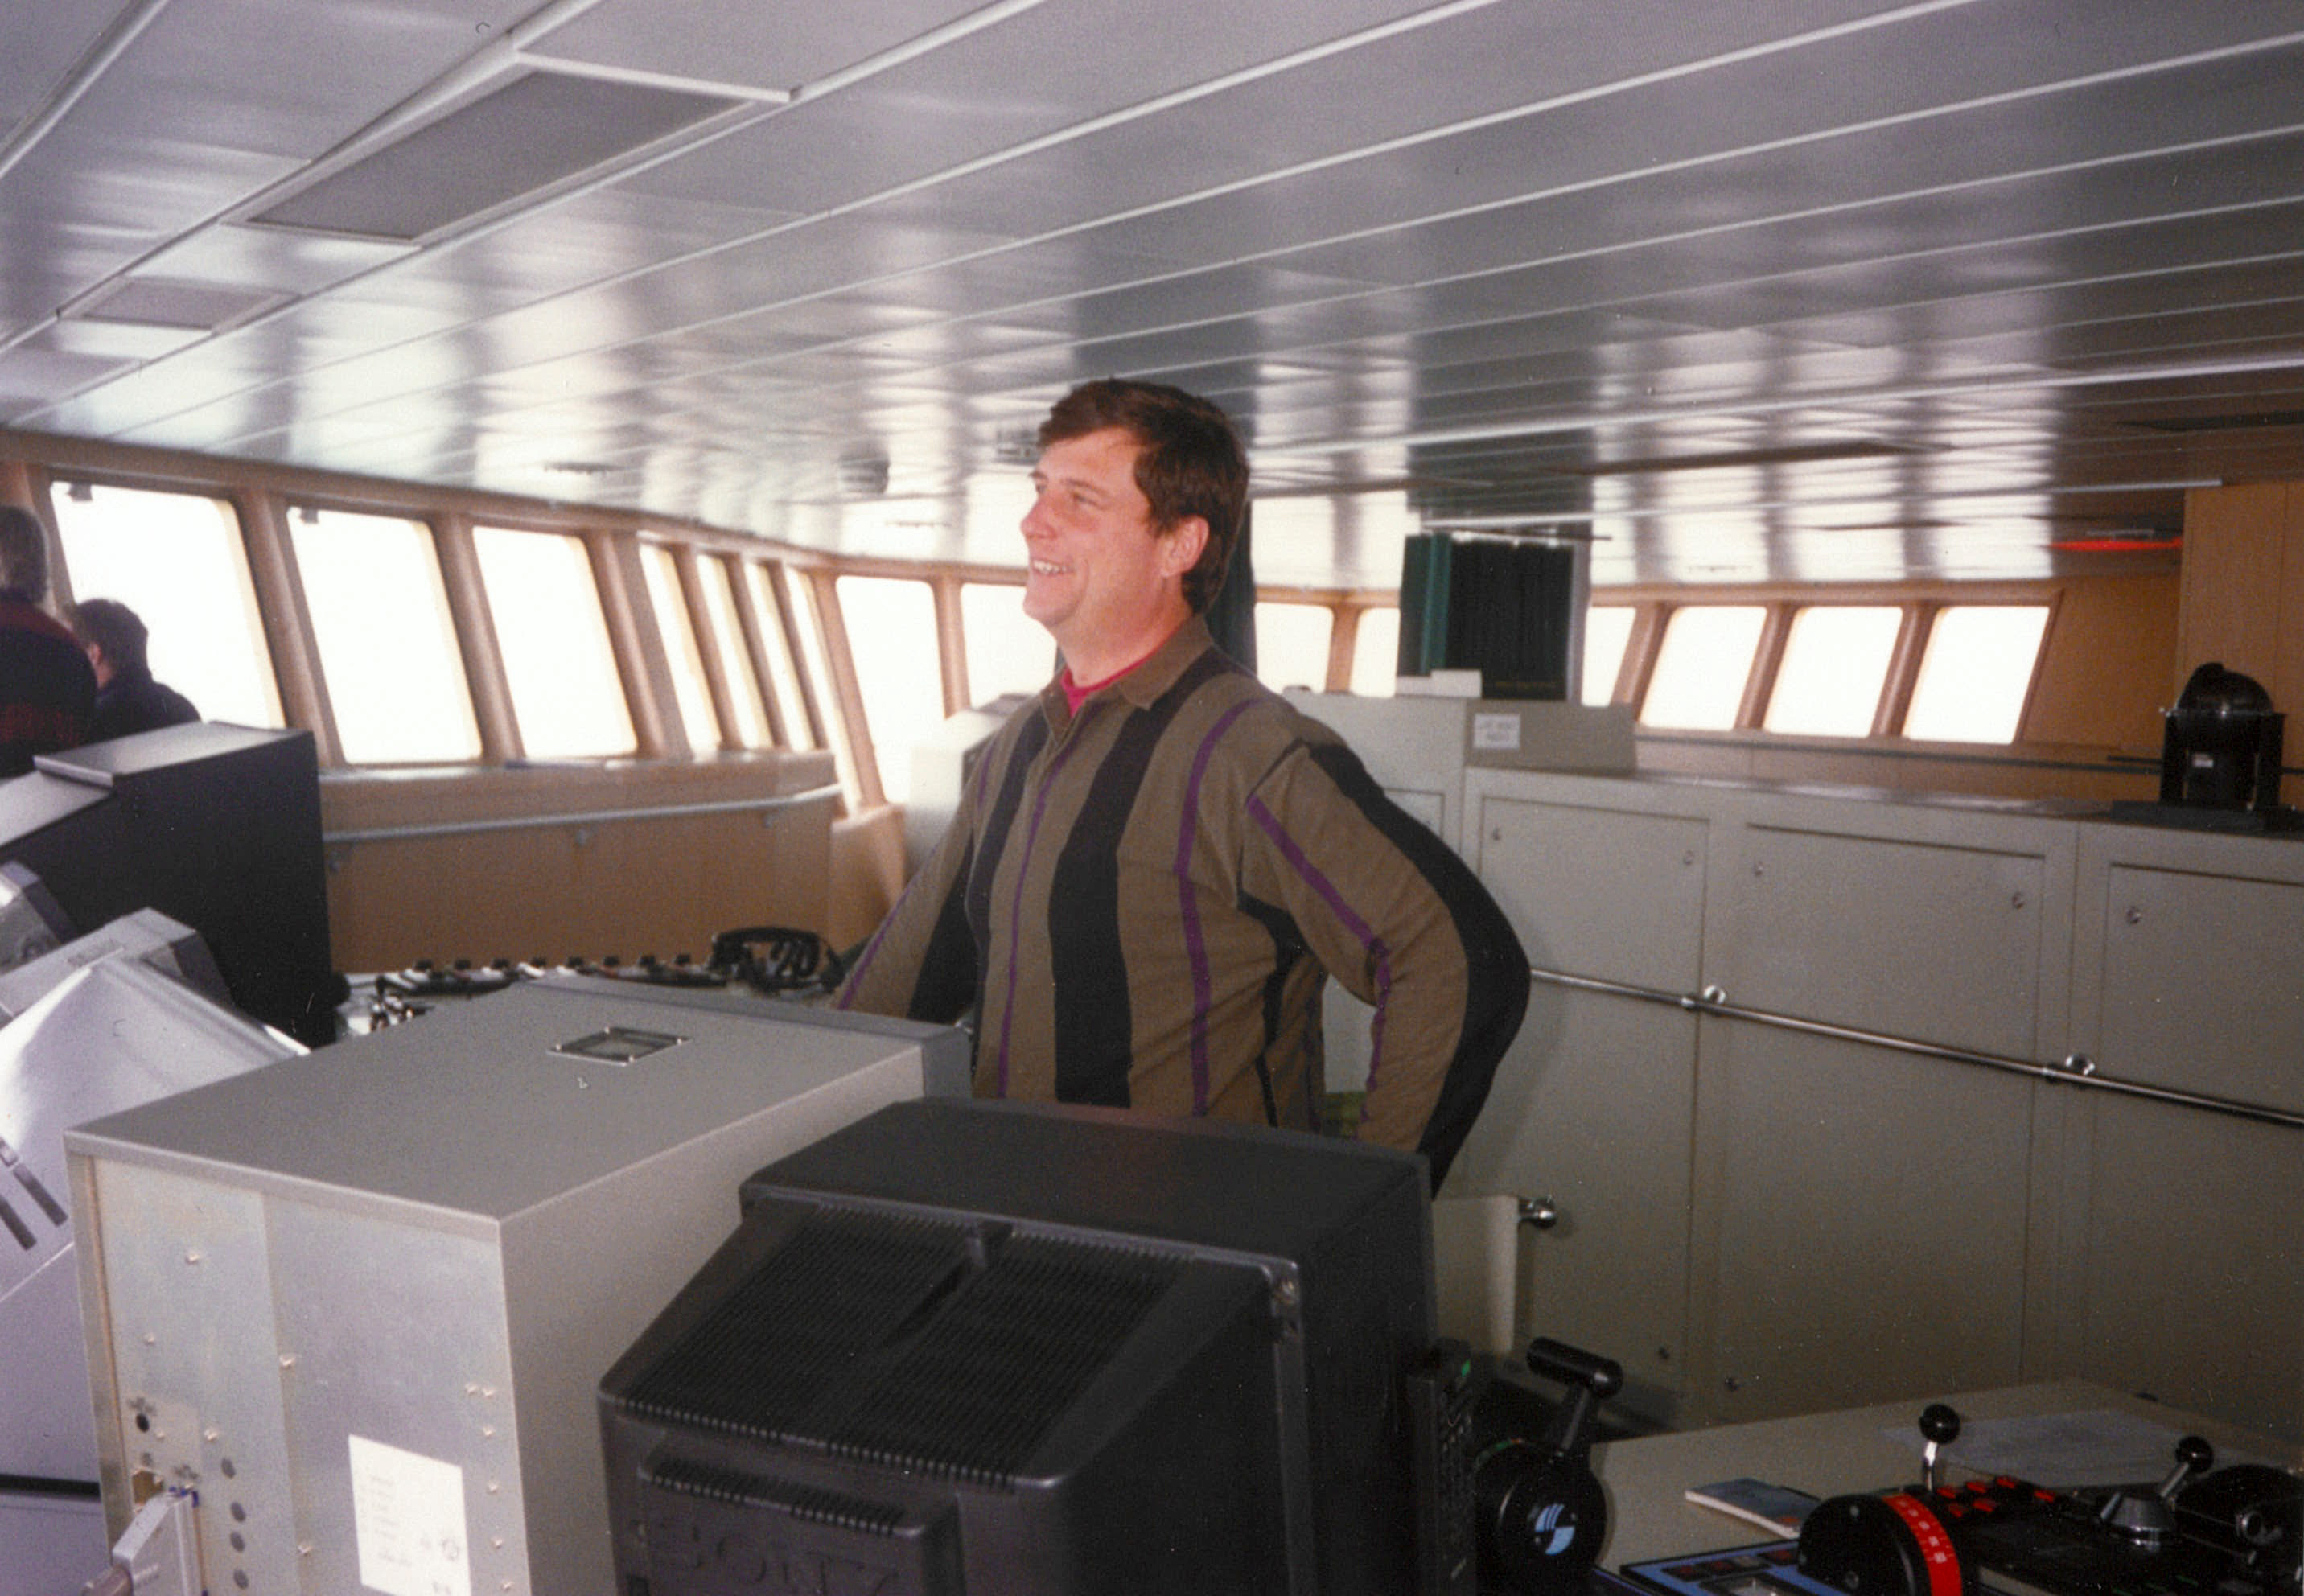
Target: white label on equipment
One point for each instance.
(408, 1517)
(1495, 731)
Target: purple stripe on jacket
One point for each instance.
(1196, 946)
(1369, 940)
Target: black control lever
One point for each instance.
(2145, 1518)
(1542, 1515)
(1939, 1428)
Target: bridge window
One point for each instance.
(553, 640)
(1008, 651)
(177, 560)
(387, 640)
(1834, 665)
(735, 658)
(1292, 644)
(892, 632)
(678, 629)
(1375, 651)
(783, 670)
(1607, 633)
(1702, 667)
(1976, 673)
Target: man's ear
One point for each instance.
(1182, 547)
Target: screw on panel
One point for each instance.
(2135, 915)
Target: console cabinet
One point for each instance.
(1758, 1218)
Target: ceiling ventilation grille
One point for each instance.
(538, 130)
(161, 301)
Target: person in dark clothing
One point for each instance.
(127, 699)
(47, 689)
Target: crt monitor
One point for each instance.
(1038, 1351)
(216, 827)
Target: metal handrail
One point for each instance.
(666, 811)
(2077, 1069)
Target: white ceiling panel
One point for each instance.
(1507, 260)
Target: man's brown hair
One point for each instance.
(1189, 463)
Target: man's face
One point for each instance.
(1099, 577)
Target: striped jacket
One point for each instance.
(1143, 903)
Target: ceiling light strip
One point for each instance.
(566, 66)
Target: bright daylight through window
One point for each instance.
(388, 655)
(565, 692)
(177, 560)
(1700, 671)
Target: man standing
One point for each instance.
(127, 699)
(1155, 864)
(47, 693)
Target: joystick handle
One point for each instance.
(1939, 1427)
(1590, 1381)
(2194, 1455)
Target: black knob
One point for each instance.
(1940, 1422)
(2195, 1452)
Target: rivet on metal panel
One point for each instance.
(209, 1434)
(494, 1487)
(471, 1388)
(1689, 857)
(150, 1339)
(287, 1360)
(1664, 1354)
(487, 1432)
(1732, 1383)
(192, 1256)
(489, 1392)
(1758, 868)
(1496, 833)
(2017, 899)
(303, 1548)
(2135, 915)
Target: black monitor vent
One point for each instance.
(972, 1395)
(895, 1341)
(739, 1489)
(842, 1285)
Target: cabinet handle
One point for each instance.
(2074, 1070)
